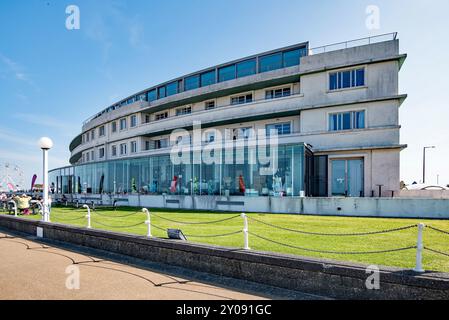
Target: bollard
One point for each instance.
(14, 207)
(419, 249)
(88, 216)
(245, 232)
(148, 222)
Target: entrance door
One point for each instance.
(347, 177)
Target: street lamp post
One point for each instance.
(45, 144)
(424, 163)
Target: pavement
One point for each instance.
(32, 268)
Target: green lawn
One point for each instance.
(320, 224)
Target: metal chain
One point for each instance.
(68, 220)
(196, 223)
(159, 228)
(117, 227)
(215, 235)
(334, 234)
(332, 252)
(438, 230)
(122, 216)
(436, 251)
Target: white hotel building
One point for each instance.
(335, 109)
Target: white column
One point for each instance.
(45, 184)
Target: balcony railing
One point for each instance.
(354, 43)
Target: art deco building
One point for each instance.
(334, 109)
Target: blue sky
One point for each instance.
(52, 79)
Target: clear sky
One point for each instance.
(52, 79)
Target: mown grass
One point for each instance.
(319, 224)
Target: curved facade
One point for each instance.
(334, 115)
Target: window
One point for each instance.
(291, 58)
(123, 124)
(210, 136)
(191, 83)
(133, 121)
(208, 78)
(277, 93)
(101, 131)
(347, 79)
(147, 145)
(133, 146)
(246, 68)
(141, 97)
(270, 62)
(242, 133)
(161, 93)
(347, 120)
(87, 156)
(87, 137)
(161, 143)
(92, 155)
(281, 128)
(114, 126)
(123, 149)
(242, 99)
(152, 95)
(147, 118)
(114, 151)
(130, 100)
(161, 116)
(209, 105)
(172, 88)
(226, 73)
(101, 153)
(92, 134)
(184, 110)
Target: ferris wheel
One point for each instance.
(11, 177)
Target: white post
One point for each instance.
(88, 216)
(245, 232)
(148, 222)
(45, 185)
(15, 207)
(419, 249)
(45, 144)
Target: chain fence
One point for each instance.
(195, 223)
(334, 234)
(332, 252)
(419, 247)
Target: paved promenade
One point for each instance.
(30, 269)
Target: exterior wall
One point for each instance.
(335, 206)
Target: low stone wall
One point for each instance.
(315, 276)
(361, 207)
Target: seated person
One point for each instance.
(23, 203)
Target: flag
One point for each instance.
(33, 181)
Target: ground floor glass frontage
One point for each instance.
(158, 175)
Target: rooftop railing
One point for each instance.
(354, 43)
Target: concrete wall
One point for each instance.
(364, 207)
(423, 194)
(316, 276)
